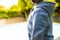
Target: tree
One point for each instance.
(21, 5)
(58, 7)
(58, 1)
(57, 12)
(25, 6)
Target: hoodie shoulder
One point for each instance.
(40, 11)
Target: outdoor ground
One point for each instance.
(18, 31)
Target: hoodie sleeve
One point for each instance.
(39, 25)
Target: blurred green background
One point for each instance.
(22, 9)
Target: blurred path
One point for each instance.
(18, 31)
(56, 30)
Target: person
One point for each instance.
(39, 21)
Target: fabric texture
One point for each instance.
(40, 21)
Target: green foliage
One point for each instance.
(58, 1)
(29, 5)
(3, 14)
(21, 5)
(25, 5)
(14, 8)
(10, 14)
(21, 9)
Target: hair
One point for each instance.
(37, 1)
(41, 0)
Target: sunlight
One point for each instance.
(8, 3)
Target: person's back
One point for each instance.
(40, 22)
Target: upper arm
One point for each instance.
(39, 23)
(39, 17)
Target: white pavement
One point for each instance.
(56, 30)
(18, 31)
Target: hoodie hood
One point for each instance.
(49, 6)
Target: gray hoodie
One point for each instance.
(40, 21)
